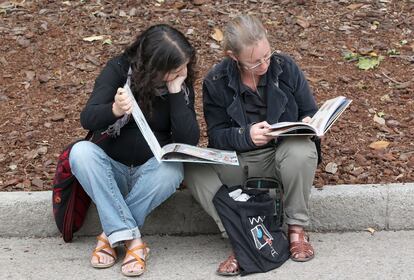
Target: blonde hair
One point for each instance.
(242, 31)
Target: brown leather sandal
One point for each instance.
(300, 247)
(101, 249)
(137, 258)
(230, 267)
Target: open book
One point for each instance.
(320, 122)
(177, 151)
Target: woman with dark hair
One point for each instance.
(120, 173)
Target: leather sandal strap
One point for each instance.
(300, 246)
(101, 249)
(95, 253)
(137, 258)
(231, 264)
(302, 234)
(103, 239)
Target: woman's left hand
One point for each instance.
(174, 86)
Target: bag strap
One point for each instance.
(275, 191)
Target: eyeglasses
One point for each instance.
(262, 60)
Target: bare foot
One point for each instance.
(300, 248)
(135, 259)
(230, 267)
(103, 256)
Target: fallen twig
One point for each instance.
(392, 80)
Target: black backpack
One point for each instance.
(253, 229)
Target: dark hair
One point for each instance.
(156, 51)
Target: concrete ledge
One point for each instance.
(334, 208)
(346, 207)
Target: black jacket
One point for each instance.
(173, 118)
(289, 98)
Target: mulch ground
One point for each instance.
(48, 69)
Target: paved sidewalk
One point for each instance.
(356, 255)
(334, 208)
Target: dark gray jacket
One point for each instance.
(173, 119)
(289, 98)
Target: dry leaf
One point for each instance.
(13, 166)
(179, 5)
(379, 145)
(43, 78)
(42, 150)
(23, 42)
(199, 2)
(32, 154)
(302, 22)
(93, 38)
(217, 35)
(379, 120)
(385, 98)
(30, 75)
(331, 167)
(57, 117)
(11, 182)
(371, 230)
(314, 80)
(355, 6)
(37, 182)
(399, 177)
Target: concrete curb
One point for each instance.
(334, 208)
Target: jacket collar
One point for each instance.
(233, 72)
(276, 97)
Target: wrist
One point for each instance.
(174, 90)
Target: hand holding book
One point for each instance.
(318, 125)
(258, 133)
(177, 151)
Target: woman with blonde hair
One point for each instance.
(251, 88)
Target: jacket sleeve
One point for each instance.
(184, 125)
(97, 113)
(302, 92)
(222, 134)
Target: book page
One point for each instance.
(294, 130)
(337, 113)
(283, 125)
(144, 127)
(184, 152)
(327, 114)
(178, 152)
(291, 129)
(321, 118)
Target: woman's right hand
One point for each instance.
(122, 104)
(258, 133)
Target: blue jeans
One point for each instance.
(123, 195)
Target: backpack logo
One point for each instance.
(262, 237)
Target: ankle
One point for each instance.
(294, 232)
(133, 243)
(295, 227)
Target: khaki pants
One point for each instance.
(292, 163)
